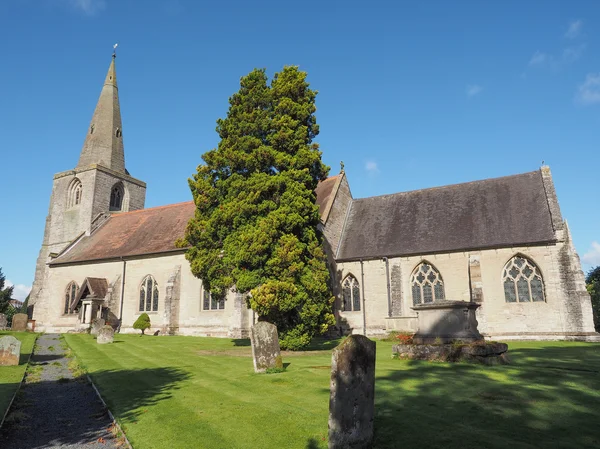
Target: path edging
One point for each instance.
(20, 383)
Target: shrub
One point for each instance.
(142, 323)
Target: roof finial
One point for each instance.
(341, 166)
(115, 50)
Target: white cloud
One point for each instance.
(572, 54)
(20, 291)
(371, 167)
(88, 7)
(592, 257)
(589, 91)
(538, 58)
(473, 89)
(574, 29)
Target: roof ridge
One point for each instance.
(164, 206)
(446, 186)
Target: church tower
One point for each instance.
(98, 186)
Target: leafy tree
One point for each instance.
(142, 323)
(255, 227)
(592, 281)
(23, 308)
(5, 294)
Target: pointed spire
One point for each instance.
(104, 140)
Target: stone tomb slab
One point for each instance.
(19, 322)
(3, 321)
(10, 351)
(97, 324)
(265, 347)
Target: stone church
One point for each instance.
(499, 242)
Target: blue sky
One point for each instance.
(411, 94)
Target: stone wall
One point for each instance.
(478, 276)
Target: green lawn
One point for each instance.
(182, 392)
(10, 376)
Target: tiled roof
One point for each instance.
(507, 211)
(148, 231)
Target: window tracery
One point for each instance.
(148, 295)
(522, 281)
(70, 295)
(350, 294)
(427, 284)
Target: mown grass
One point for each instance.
(10, 376)
(182, 392)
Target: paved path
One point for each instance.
(54, 410)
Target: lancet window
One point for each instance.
(70, 295)
(116, 197)
(74, 193)
(350, 294)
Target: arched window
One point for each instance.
(118, 132)
(116, 197)
(427, 284)
(522, 281)
(149, 295)
(70, 295)
(74, 193)
(211, 302)
(350, 294)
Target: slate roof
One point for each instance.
(94, 287)
(507, 211)
(150, 231)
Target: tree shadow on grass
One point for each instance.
(543, 399)
(240, 341)
(61, 412)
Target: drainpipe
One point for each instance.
(122, 294)
(387, 280)
(362, 283)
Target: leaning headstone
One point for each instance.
(106, 334)
(3, 321)
(265, 347)
(352, 394)
(96, 326)
(10, 350)
(19, 322)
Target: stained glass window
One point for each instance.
(426, 284)
(149, 295)
(351, 294)
(522, 281)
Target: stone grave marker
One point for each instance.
(10, 350)
(96, 326)
(106, 334)
(3, 321)
(352, 394)
(19, 322)
(265, 347)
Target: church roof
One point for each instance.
(324, 192)
(146, 231)
(507, 211)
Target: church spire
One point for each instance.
(104, 140)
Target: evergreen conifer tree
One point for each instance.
(5, 293)
(255, 227)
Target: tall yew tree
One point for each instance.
(255, 226)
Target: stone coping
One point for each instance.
(446, 305)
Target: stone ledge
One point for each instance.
(486, 354)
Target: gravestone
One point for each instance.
(19, 322)
(265, 347)
(352, 394)
(106, 334)
(10, 350)
(96, 326)
(3, 321)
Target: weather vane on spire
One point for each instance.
(115, 50)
